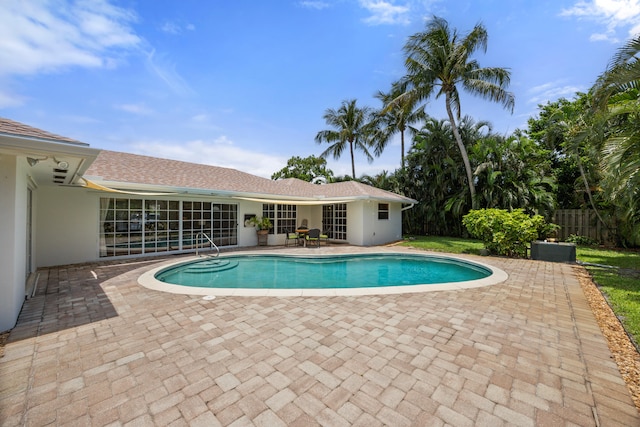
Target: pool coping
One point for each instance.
(148, 280)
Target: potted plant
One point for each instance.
(262, 224)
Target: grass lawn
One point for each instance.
(454, 245)
(621, 285)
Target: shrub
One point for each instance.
(506, 233)
(261, 222)
(581, 240)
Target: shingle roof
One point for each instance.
(115, 167)
(9, 127)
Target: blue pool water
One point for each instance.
(338, 271)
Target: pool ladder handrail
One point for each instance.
(201, 233)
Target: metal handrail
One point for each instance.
(210, 241)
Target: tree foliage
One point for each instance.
(311, 169)
(595, 138)
(616, 95)
(434, 175)
(439, 60)
(397, 115)
(574, 136)
(509, 173)
(512, 173)
(352, 129)
(582, 152)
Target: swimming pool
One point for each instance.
(343, 274)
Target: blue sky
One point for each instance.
(244, 84)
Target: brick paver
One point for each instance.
(95, 348)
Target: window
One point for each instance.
(283, 217)
(137, 226)
(383, 210)
(286, 218)
(269, 211)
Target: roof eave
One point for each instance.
(22, 144)
(262, 197)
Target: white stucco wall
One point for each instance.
(66, 226)
(365, 229)
(355, 226)
(247, 236)
(387, 230)
(13, 235)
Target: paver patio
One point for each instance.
(95, 348)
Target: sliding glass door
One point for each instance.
(138, 226)
(334, 221)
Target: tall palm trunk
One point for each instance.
(353, 162)
(463, 151)
(589, 194)
(402, 148)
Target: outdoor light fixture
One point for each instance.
(63, 165)
(32, 161)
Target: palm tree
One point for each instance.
(439, 58)
(617, 94)
(584, 139)
(396, 115)
(622, 74)
(621, 158)
(513, 173)
(382, 180)
(434, 176)
(352, 127)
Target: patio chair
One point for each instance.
(313, 237)
(324, 236)
(292, 237)
(304, 224)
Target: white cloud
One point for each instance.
(138, 109)
(171, 28)
(612, 14)
(200, 118)
(81, 119)
(45, 36)
(174, 28)
(8, 99)
(551, 92)
(219, 152)
(203, 122)
(619, 10)
(166, 71)
(602, 37)
(385, 12)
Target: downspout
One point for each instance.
(406, 208)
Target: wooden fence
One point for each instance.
(582, 223)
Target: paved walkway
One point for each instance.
(95, 348)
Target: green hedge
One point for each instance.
(506, 233)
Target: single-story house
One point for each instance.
(63, 202)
